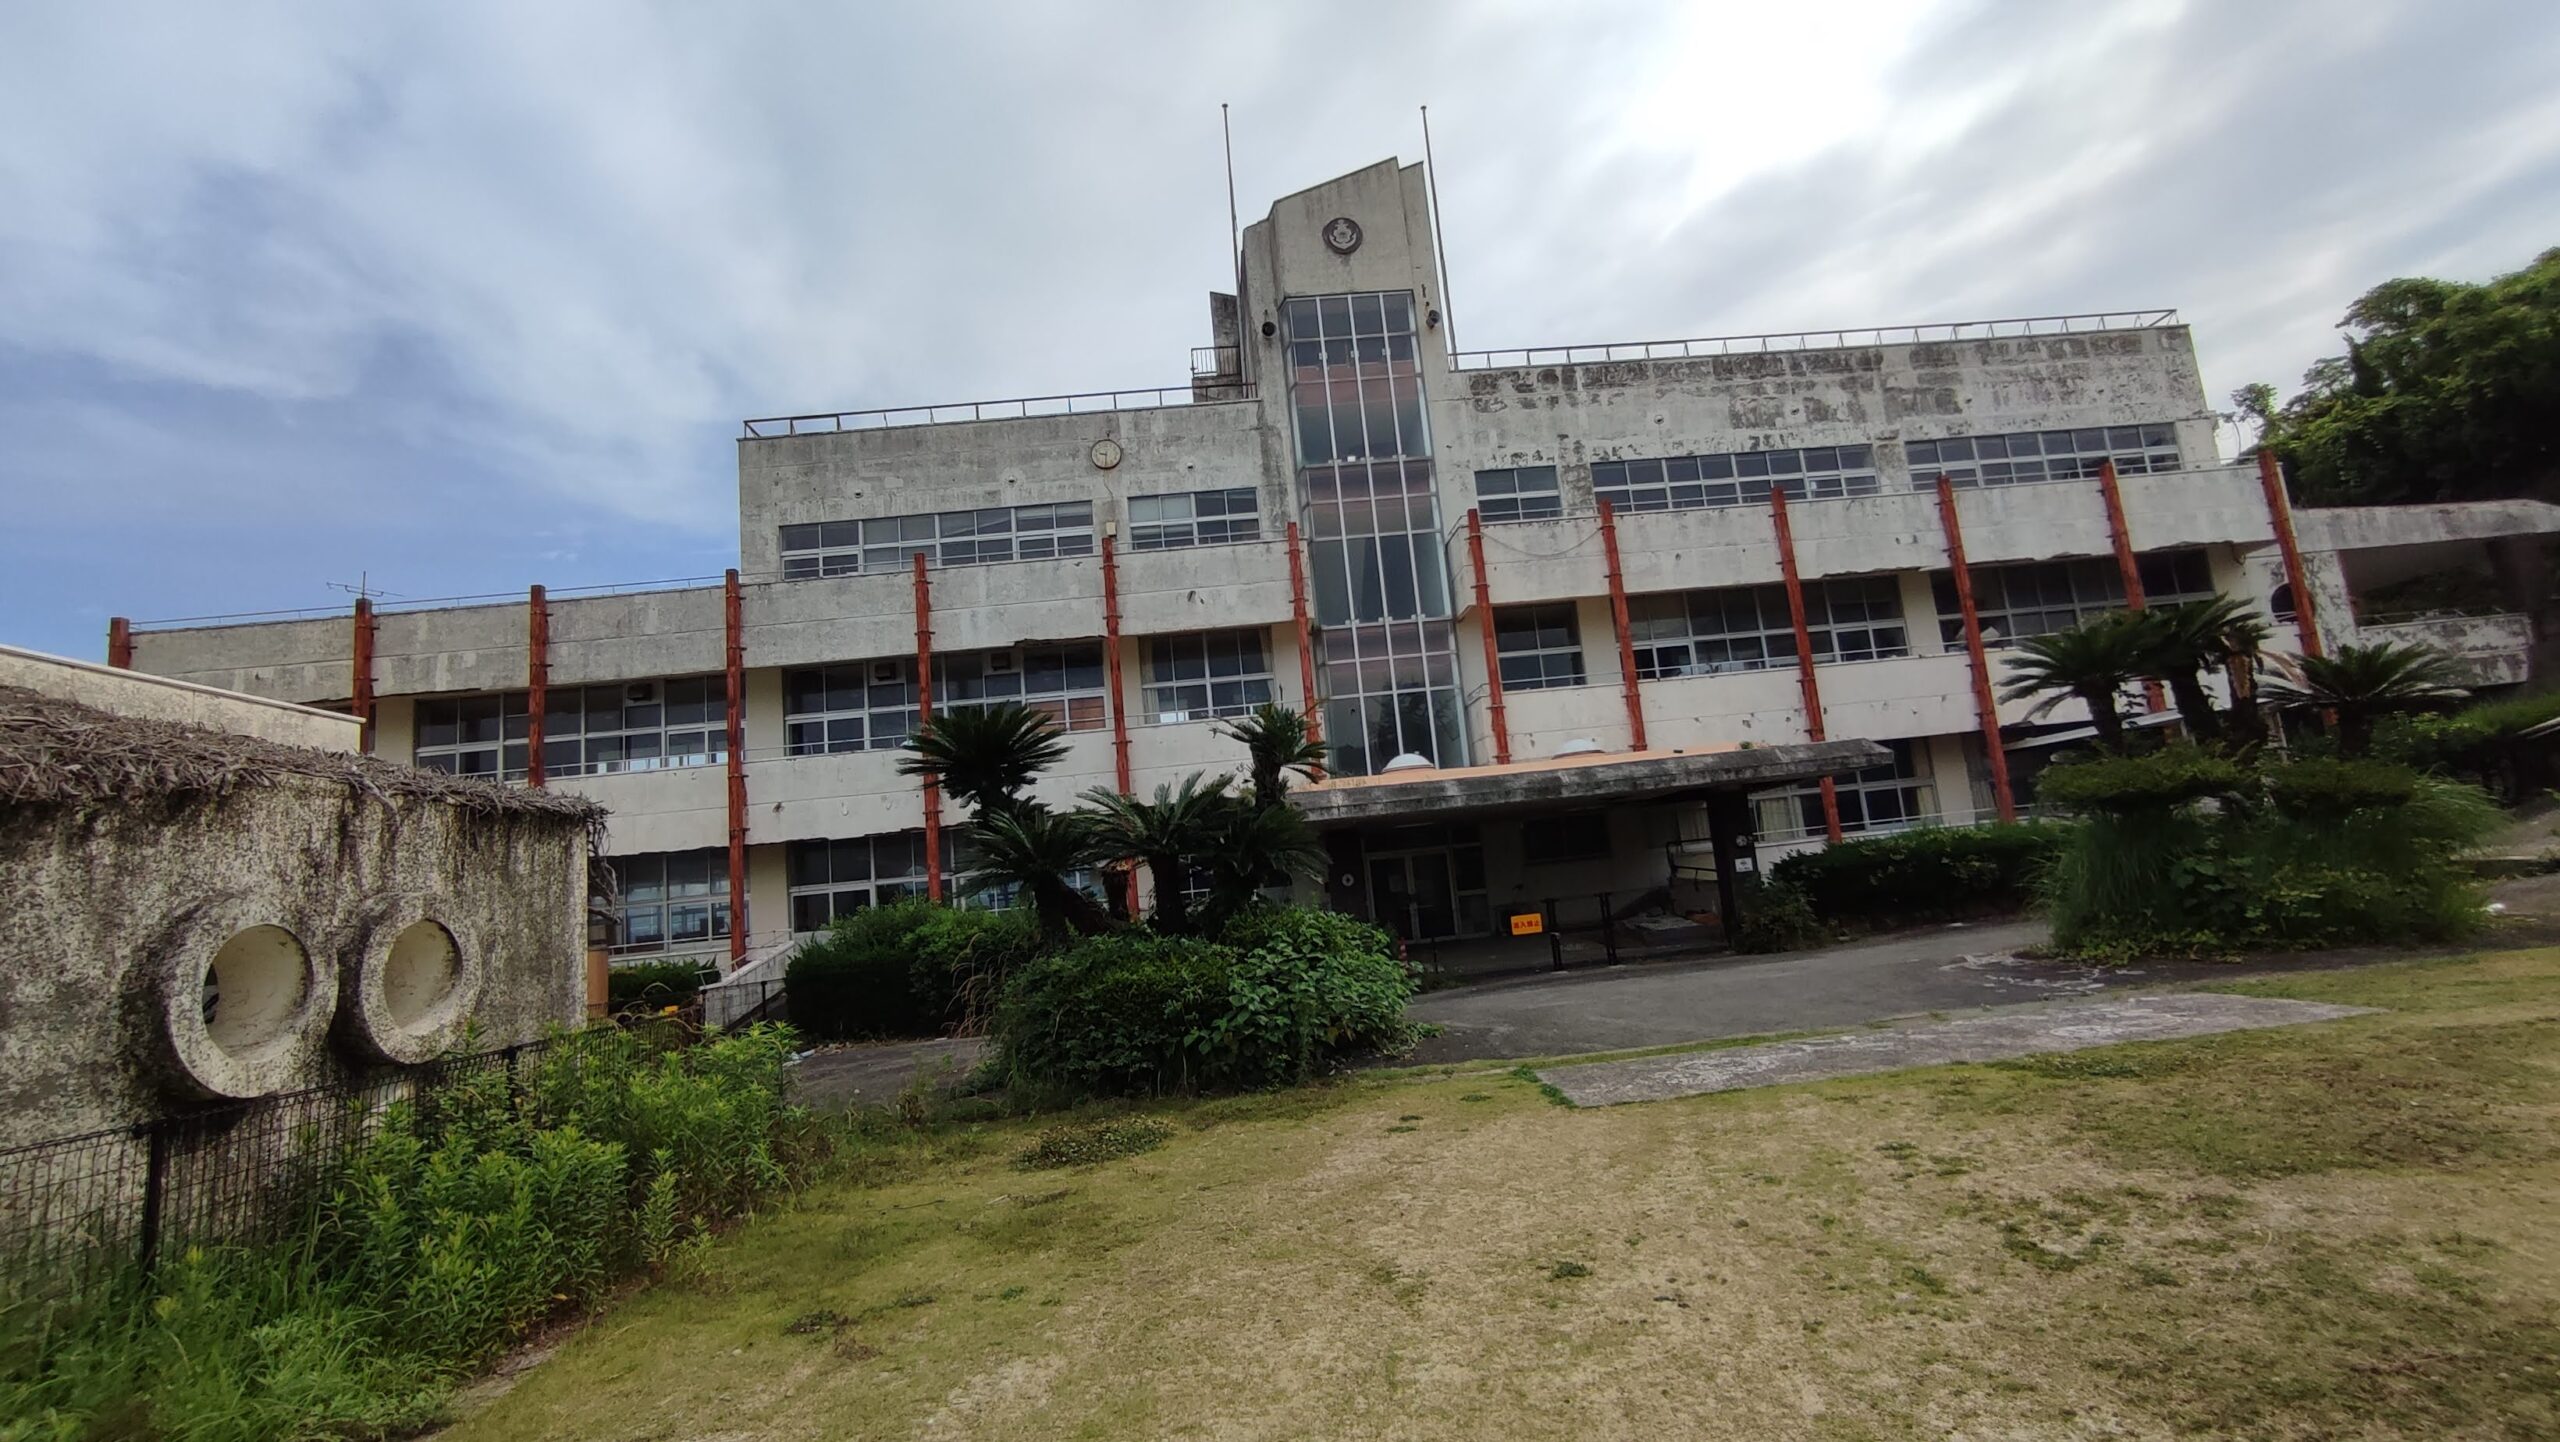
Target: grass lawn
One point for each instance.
(2343, 1230)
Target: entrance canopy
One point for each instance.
(1690, 774)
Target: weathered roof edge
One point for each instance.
(57, 753)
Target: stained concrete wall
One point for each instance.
(160, 698)
(111, 915)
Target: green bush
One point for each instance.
(652, 984)
(466, 1218)
(2171, 776)
(1127, 1012)
(1932, 872)
(1284, 992)
(910, 968)
(2314, 852)
(1307, 985)
(2481, 743)
(1776, 916)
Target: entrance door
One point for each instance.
(1413, 895)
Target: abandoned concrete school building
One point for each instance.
(1540, 600)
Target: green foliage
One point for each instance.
(985, 755)
(464, 1220)
(1093, 1143)
(2360, 685)
(653, 984)
(2477, 741)
(2445, 394)
(1925, 873)
(1307, 985)
(1286, 991)
(1276, 744)
(1128, 1012)
(2092, 662)
(1775, 917)
(2116, 785)
(909, 968)
(2314, 852)
(1167, 832)
(1033, 851)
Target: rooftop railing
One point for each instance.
(1019, 408)
(1804, 340)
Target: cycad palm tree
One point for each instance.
(1036, 849)
(1166, 833)
(1259, 845)
(2362, 684)
(2092, 661)
(1276, 743)
(2181, 642)
(985, 755)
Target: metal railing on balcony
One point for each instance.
(1804, 340)
(1014, 409)
(1211, 362)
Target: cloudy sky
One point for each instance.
(462, 296)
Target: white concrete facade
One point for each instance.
(1867, 419)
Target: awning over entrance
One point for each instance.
(1608, 778)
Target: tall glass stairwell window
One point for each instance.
(1389, 671)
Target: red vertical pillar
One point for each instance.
(1805, 679)
(362, 670)
(1492, 651)
(733, 623)
(2306, 614)
(1306, 637)
(537, 681)
(924, 713)
(120, 643)
(1636, 738)
(1982, 697)
(1120, 772)
(2122, 536)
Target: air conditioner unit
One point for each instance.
(1003, 663)
(886, 673)
(640, 693)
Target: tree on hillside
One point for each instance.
(2444, 394)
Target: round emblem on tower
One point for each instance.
(1342, 235)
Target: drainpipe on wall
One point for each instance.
(1492, 652)
(2127, 568)
(733, 622)
(924, 713)
(1626, 636)
(1983, 701)
(1306, 640)
(1812, 688)
(1111, 673)
(362, 670)
(537, 681)
(2306, 611)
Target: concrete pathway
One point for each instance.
(1990, 1036)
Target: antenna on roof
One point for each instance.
(1439, 250)
(1235, 241)
(363, 587)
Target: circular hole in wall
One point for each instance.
(255, 989)
(421, 973)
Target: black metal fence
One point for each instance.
(78, 1208)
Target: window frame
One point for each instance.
(2019, 458)
(1689, 625)
(1913, 800)
(1246, 682)
(1735, 478)
(880, 545)
(653, 873)
(673, 745)
(838, 893)
(1506, 494)
(2072, 589)
(1232, 516)
(1550, 654)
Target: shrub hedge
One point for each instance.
(1281, 993)
(910, 968)
(1927, 873)
(653, 984)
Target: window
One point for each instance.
(833, 879)
(1748, 628)
(474, 735)
(2038, 598)
(1212, 673)
(1892, 796)
(2042, 455)
(1194, 518)
(1574, 836)
(1522, 493)
(670, 901)
(948, 538)
(1538, 646)
(871, 705)
(1355, 388)
(1683, 483)
(586, 731)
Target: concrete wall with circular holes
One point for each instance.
(285, 936)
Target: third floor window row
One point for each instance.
(944, 538)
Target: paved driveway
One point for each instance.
(1953, 969)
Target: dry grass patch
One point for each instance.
(2340, 1230)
